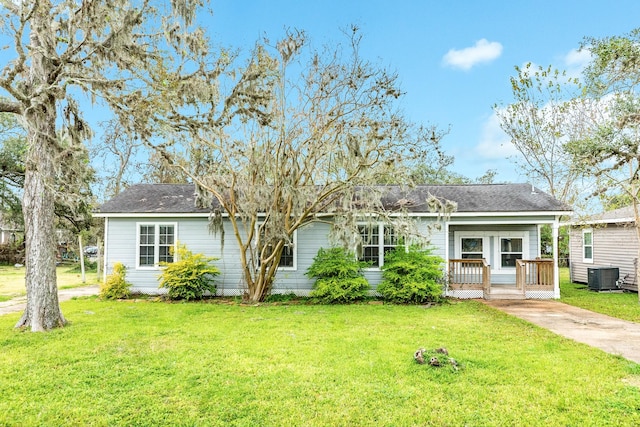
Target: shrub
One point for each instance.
(190, 276)
(115, 286)
(411, 276)
(339, 277)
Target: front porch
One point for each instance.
(471, 278)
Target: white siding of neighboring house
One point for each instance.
(194, 233)
(614, 245)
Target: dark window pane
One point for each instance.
(588, 252)
(286, 259)
(146, 255)
(370, 254)
(509, 260)
(511, 245)
(165, 254)
(472, 245)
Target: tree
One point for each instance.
(72, 184)
(124, 158)
(330, 134)
(609, 145)
(539, 123)
(125, 55)
(118, 154)
(12, 149)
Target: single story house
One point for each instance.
(606, 241)
(491, 243)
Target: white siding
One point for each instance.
(194, 233)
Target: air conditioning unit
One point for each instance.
(603, 278)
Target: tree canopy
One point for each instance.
(327, 132)
(608, 146)
(127, 56)
(540, 122)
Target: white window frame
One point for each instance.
(156, 243)
(484, 245)
(294, 246)
(459, 235)
(497, 247)
(584, 246)
(501, 252)
(381, 241)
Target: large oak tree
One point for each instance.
(125, 55)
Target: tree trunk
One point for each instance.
(43, 309)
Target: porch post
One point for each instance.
(556, 270)
(446, 256)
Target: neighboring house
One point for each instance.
(8, 233)
(607, 240)
(490, 244)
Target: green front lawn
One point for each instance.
(616, 304)
(12, 279)
(154, 363)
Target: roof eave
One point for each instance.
(411, 214)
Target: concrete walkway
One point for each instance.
(615, 336)
(19, 304)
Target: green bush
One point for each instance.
(338, 275)
(115, 286)
(411, 276)
(190, 276)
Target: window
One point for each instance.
(377, 240)
(288, 257)
(587, 245)
(510, 251)
(500, 248)
(471, 248)
(156, 243)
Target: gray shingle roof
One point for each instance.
(487, 198)
(621, 215)
(154, 198)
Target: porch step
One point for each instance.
(496, 293)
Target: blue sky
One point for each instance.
(454, 58)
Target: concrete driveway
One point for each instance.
(615, 336)
(19, 304)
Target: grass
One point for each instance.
(12, 279)
(153, 363)
(621, 305)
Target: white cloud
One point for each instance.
(483, 51)
(494, 142)
(575, 62)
